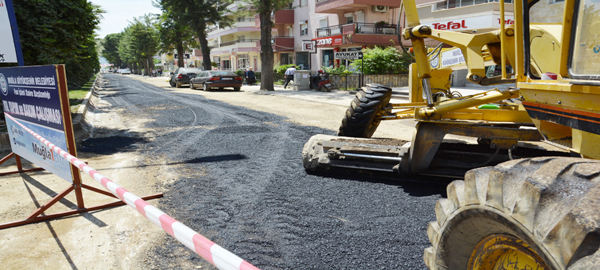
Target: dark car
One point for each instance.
(216, 79)
(182, 76)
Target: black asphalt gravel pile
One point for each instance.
(246, 190)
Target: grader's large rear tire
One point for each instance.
(541, 213)
(361, 117)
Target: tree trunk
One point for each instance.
(201, 33)
(266, 50)
(180, 51)
(150, 65)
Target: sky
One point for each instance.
(118, 14)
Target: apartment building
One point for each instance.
(282, 36)
(234, 47)
(351, 26)
(331, 25)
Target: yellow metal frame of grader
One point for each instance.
(488, 221)
(535, 213)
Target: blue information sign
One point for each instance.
(31, 96)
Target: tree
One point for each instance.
(145, 40)
(265, 8)
(382, 61)
(174, 36)
(60, 32)
(198, 14)
(110, 50)
(138, 44)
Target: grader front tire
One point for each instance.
(361, 117)
(540, 213)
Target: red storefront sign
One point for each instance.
(329, 41)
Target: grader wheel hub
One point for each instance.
(503, 251)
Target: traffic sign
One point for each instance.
(348, 55)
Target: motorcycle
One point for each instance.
(321, 83)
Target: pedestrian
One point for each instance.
(250, 76)
(159, 71)
(153, 72)
(289, 75)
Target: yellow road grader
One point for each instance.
(534, 208)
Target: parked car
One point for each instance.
(216, 79)
(182, 76)
(125, 71)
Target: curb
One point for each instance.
(80, 126)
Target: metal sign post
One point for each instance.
(352, 56)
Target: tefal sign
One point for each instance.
(473, 23)
(329, 41)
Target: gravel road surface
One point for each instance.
(229, 165)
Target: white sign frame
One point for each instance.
(8, 52)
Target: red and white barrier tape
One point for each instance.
(213, 253)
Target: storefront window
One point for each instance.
(217, 60)
(242, 61)
(327, 58)
(302, 60)
(286, 59)
(226, 65)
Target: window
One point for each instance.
(243, 61)
(302, 60)
(349, 19)
(448, 4)
(327, 60)
(304, 29)
(226, 65)
(585, 55)
(217, 60)
(286, 59)
(303, 3)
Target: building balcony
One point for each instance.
(357, 33)
(280, 44)
(241, 25)
(284, 16)
(241, 45)
(341, 6)
(357, 29)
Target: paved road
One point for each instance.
(241, 183)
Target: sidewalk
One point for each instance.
(336, 97)
(343, 98)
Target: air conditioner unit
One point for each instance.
(381, 9)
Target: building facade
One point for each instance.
(234, 47)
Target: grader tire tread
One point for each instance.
(360, 118)
(551, 203)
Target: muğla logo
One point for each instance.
(3, 85)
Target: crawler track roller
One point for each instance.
(538, 213)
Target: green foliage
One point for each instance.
(214, 64)
(198, 14)
(110, 49)
(60, 32)
(383, 61)
(337, 70)
(139, 42)
(281, 69)
(173, 35)
(240, 72)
